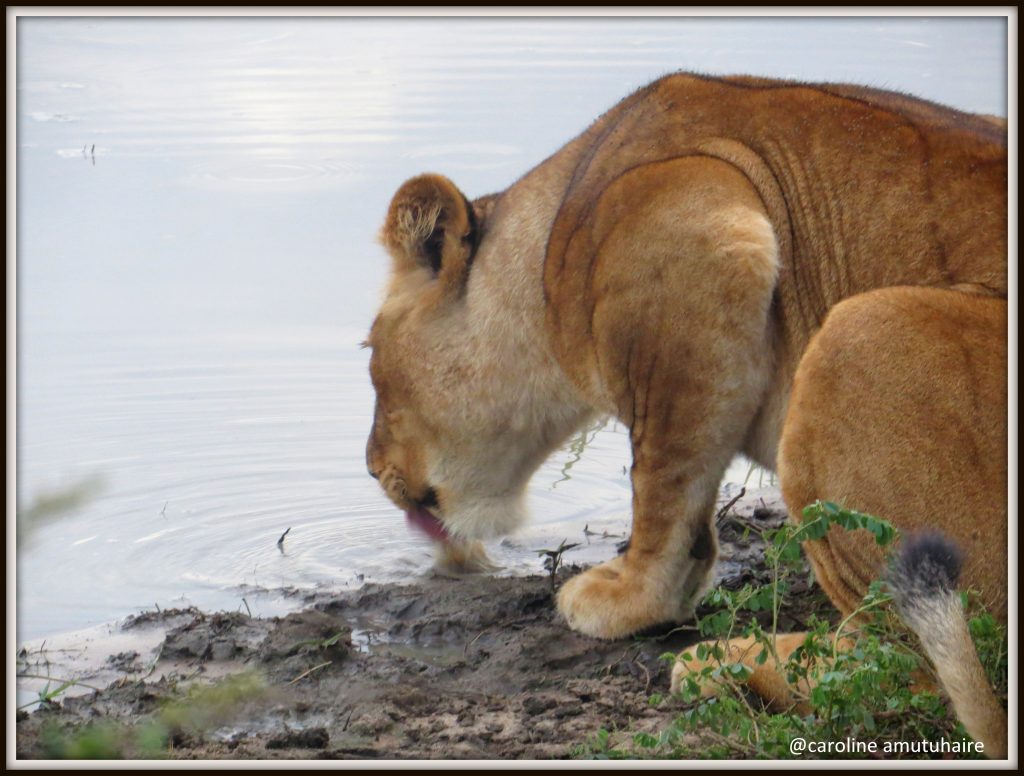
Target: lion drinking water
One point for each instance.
(813, 275)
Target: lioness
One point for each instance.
(814, 275)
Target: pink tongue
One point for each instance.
(423, 521)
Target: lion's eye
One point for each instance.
(429, 499)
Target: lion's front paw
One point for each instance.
(460, 558)
(611, 600)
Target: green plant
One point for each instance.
(604, 745)
(324, 644)
(859, 686)
(36, 665)
(51, 505)
(200, 709)
(553, 558)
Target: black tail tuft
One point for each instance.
(927, 565)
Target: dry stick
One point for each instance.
(304, 674)
(739, 693)
(725, 510)
(681, 628)
(603, 534)
(506, 624)
(608, 668)
(647, 684)
(58, 679)
(733, 745)
(465, 649)
(156, 659)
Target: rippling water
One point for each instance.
(197, 207)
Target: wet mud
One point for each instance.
(474, 668)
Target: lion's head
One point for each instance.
(460, 421)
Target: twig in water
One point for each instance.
(247, 607)
(280, 542)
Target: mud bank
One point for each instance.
(475, 668)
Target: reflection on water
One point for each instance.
(197, 207)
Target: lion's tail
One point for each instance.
(923, 583)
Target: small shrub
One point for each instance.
(864, 688)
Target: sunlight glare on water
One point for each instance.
(198, 202)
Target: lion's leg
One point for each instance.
(681, 263)
(898, 409)
(765, 678)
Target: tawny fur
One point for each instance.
(812, 275)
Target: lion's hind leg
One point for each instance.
(898, 410)
(707, 665)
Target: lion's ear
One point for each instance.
(430, 224)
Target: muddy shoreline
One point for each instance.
(476, 668)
